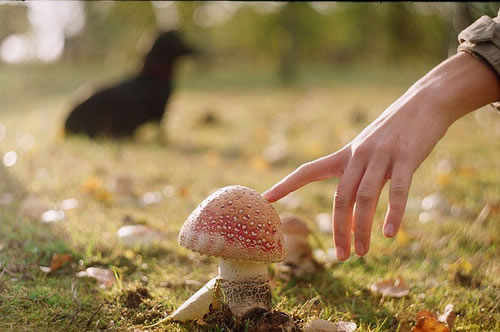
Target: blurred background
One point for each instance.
(280, 35)
(282, 83)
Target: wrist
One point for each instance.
(456, 87)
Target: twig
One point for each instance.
(74, 315)
(93, 315)
(12, 274)
(159, 322)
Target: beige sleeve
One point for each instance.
(482, 39)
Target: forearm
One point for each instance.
(458, 86)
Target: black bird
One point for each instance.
(118, 110)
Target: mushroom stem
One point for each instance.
(231, 269)
(244, 285)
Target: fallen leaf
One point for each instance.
(69, 204)
(91, 184)
(322, 325)
(345, 326)
(137, 235)
(57, 261)
(184, 192)
(390, 287)
(105, 277)
(259, 163)
(444, 179)
(104, 196)
(424, 313)
(95, 186)
(152, 197)
(429, 324)
(448, 316)
(402, 238)
(51, 216)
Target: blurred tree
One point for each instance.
(112, 31)
(300, 30)
(284, 34)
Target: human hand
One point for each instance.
(391, 148)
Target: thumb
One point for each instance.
(319, 169)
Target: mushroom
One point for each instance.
(299, 259)
(242, 228)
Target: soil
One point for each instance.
(135, 297)
(256, 320)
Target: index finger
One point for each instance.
(319, 169)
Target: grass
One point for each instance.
(315, 117)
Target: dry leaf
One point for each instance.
(152, 197)
(424, 314)
(57, 261)
(448, 316)
(105, 277)
(259, 163)
(429, 324)
(50, 216)
(69, 204)
(322, 325)
(184, 192)
(345, 326)
(104, 196)
(92, 184)
(95, 186)
(402, 238)
(137, 235)
(391, 288)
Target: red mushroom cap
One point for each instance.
(235, 222)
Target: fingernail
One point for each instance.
(360, 248)
(266, 194)
(340, 252)
(389, 230)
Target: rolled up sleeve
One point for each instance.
(482, 39)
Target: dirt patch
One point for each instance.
(135, 297)
(261, 320)
(256, 320)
